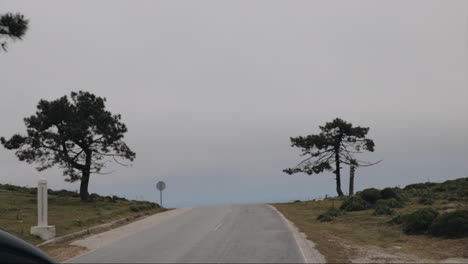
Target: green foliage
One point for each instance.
(453, 198)
(78, 135)
(116, 198)
(12, 26)
(330, 214)
(78, 222)
(370, 195)
(63, 193)
(382, 209)
(33, 190)
(389, 193)
(18, 211)
(426, 193)
(10, 187)
(335, 212)
(141, 206)
(354, 203)
(134, 208)
(325, 218)
(399, 219)
(439, 188)
(419, 221)
(420, 186)
(426, 199)
(451, 225)
(95, 196)
(392, 203)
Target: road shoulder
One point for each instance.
(306, 247)
(70, 250)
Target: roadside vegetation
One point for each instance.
(76, 134)
(425, 221)
(337, 144)
(18, 210)
(13, 27)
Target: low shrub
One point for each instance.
(419, 221)
(392, 203)
(10, 187)
(463, 193)
(63, 193)
(450, 225)
(149, 205)
(116, 198)
(382, 209)
(370, 195)
(330, 215)
(141, 206)
(78, 222)
(439, 188)
(95, 197)
(134, 208)
(399, 219)
(420, 185)
(325, 218)
(454, 198)
(335, 212)
(108, 199)
(389, 193)
(426, 199)
(354, 203)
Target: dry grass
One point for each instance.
(18, 213)
(339, 241)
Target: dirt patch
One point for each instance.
(62, 253)
(375, 254)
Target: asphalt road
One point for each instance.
(232, 233)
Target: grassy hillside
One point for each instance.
(18, 210)
(372, 234)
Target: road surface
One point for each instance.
(231, 233)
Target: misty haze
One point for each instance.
(217, 99)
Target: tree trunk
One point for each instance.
(352, 170)
(337, 173)
(84, 194)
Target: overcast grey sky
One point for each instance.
(211, 91)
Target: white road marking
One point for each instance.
(218, 226)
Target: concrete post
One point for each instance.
(43, 230)
(42, 203)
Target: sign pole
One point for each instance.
(160, 186)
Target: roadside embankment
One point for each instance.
(18, 211)
(384, 231)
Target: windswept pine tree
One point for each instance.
(336, 144)
(79, 136)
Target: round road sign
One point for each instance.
(161, 185)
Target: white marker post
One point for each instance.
(43, 230)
